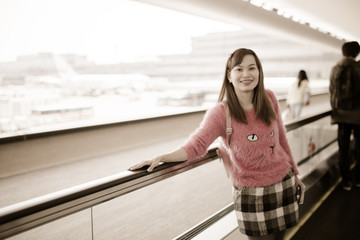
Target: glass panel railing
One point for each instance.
(29, 214)
(166, 207)
(308, 141)
(74, 226)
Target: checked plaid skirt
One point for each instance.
(264, 210)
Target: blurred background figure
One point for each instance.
(298, 95)
(345, 103)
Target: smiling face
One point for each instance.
(244, 76)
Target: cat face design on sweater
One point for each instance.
(253, 138)
(256, 147)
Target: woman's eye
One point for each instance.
(272, 133)
(252, 137)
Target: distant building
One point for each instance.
(206, 61)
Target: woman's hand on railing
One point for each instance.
(152, 163)
(179, 155)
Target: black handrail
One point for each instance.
(26, 215)
(293, 124)
(192, 232)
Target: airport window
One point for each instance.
(75, 63)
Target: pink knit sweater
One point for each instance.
(260, 154)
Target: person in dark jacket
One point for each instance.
(345, 103)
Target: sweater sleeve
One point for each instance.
(211, 127)
(282, 136)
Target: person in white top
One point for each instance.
(298, 95)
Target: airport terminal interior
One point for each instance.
(73, 119)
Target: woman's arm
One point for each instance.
(212, 126)
(179, 155)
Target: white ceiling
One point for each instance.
(339, 17)
(343, 16)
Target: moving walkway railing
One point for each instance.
(27, 215)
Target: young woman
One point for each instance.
(262, 171)
(298, 95)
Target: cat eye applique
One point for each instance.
(252, 137)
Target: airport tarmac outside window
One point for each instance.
(66, 64)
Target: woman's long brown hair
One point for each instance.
(301, 77)
(262, 105)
